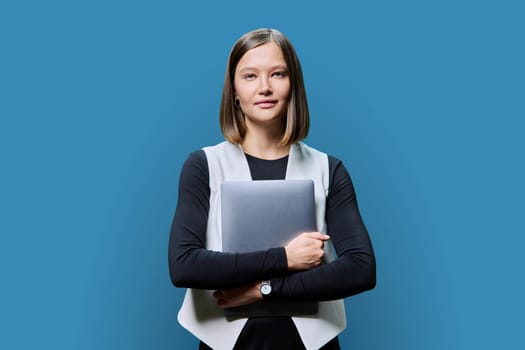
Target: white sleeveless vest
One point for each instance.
(199, 313)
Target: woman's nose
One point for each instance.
(265, 87)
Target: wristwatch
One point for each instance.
(265, 288)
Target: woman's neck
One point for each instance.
(264, 144)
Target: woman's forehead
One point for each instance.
(268, 55)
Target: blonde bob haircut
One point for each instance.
(232, 120)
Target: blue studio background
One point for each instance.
(101, 101)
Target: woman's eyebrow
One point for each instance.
(247, 69)
(256, 69)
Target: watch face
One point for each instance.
(266, 289)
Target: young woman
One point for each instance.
(264, 117)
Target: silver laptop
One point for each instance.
(258, 215)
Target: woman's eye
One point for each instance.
(279, 74)
(249, 76)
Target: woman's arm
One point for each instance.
(193, 266)
(354, 271)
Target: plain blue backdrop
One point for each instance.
(101, 101)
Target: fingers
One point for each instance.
(306, 236)
(317, 235)
(221, 298)
(306, 250)
(238, 296)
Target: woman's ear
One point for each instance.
(237, 102)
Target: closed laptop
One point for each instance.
(258, 215)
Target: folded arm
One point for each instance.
(191, 264)
(353, 272)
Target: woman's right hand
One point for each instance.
(306, 250)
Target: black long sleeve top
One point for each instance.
(193, 266)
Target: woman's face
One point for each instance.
(262, 84)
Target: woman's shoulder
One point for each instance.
(198, 157)
(195, 165)
(333, 161)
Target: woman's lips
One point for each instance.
(266, 103)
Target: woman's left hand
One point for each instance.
(238, 296)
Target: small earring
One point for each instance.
(237, 102)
